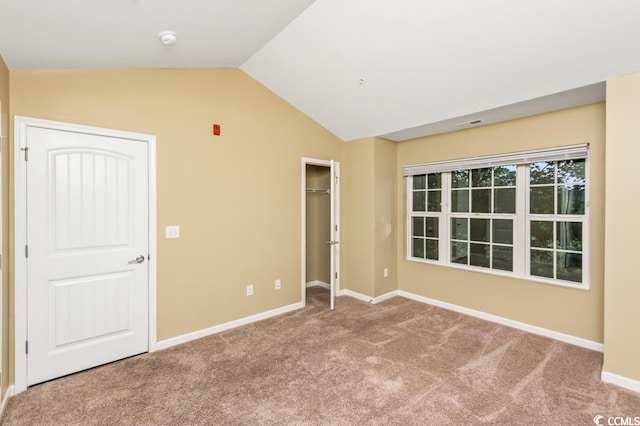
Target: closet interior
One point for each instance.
(318, 226)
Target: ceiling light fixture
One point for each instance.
(167, 37)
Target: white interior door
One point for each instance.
(335, 231)
(87, 205)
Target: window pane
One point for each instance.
(503, 258)
(571, 172)
(419, 181)
(540, 173)
(432, 227)
(542, 263)
(460, 201)
(480, 230)
(460, 179)
(569, 267)
(569, 235)
(479, 255)
(505, 200)
(481, 200)
(419, 201)
(417, 226)
(541, 234)
(434, 181)
(418, 248)
(571, 199)
(459, 229)
(480, 177)
(433, 201)
(504, 176)
(541, 200)
(503, 231)
(458, 252)
(432, 249)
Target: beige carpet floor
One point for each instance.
(397, 363)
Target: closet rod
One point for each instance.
(324, 191)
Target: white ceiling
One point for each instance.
(84, 34)
(426, 65)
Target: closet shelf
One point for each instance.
(322, 191)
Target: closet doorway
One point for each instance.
(320, 226)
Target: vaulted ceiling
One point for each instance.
(398, 69)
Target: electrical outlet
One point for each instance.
(250, 290)
(278, 284)
(385, 272)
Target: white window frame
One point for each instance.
(584, 219)
(522, 219)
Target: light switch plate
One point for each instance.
(172, 231)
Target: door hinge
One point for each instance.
(26, 347)
(0, 265)
(26, 153)
(26, 251)
(336, 275)
(337, 179)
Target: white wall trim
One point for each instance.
(319, 284)
(355, 295)
(163, 344)
(368, 299)
(384, 297)
(567, 338)
(621, 381)
(20, 225)
(153, 244)
(5, 400)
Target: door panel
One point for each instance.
(335, 231)
(87, 220)
(75, 318)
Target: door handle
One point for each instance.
(138, 259)
(332, 242)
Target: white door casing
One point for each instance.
(334, 193)
(85, 207)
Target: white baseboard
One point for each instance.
(355, 295)
(368, 299)
(567, 338)
(318, 284)
(621, 381)
(5, 400)
(163, 344)
(385, 296)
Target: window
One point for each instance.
(556, 219)
(525, 218)
(426, 201)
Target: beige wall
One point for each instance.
(318, 220)
(622, 289)
(384, 187)
(6, 261)
(236, 196)
(575, 312)
(369, 227)
(357, 209)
